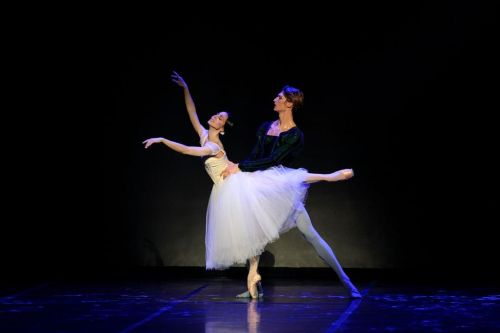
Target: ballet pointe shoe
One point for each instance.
(340, 175)
(246, 294)
(252, 285)
(347, 173)
(351, 289)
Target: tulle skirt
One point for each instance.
(248, 210)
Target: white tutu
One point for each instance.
(248, 210)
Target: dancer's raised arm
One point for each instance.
(190, 106)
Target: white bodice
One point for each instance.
(214, 165)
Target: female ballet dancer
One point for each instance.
(249, 209)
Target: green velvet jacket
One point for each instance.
(271, 151)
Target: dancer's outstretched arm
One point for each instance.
(190, 106)
(180, 148)
(330, 177)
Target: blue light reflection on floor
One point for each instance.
(208, 305)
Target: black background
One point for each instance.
(406, 94)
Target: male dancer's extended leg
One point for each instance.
(324, 251)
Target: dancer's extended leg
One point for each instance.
(330, 177)
(324, 251)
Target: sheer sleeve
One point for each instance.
(214, 148)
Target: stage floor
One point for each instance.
(208, 305)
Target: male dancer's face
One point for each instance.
(280, 103)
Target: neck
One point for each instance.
(213, 134)
(286, 118)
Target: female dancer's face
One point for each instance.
(218, 120)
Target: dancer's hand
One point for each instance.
(149, 142)
(231, 168)
(176, 78)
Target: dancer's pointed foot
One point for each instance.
(246, 294)
(343, 174)
(252, 285)
(353, 291)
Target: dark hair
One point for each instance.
(228, 122)
(294, 95)
(229, 115)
